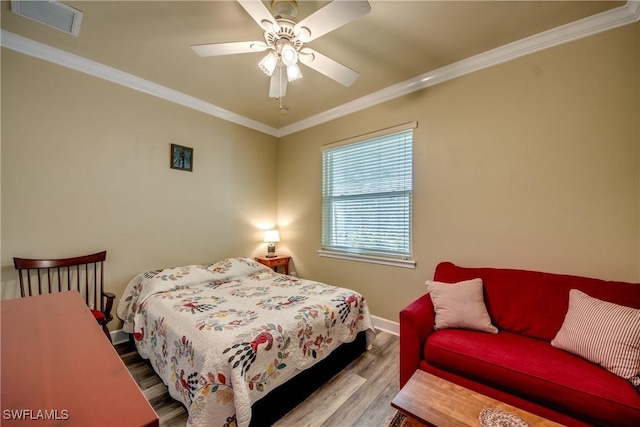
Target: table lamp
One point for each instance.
(271, 237)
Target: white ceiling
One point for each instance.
(396, 48)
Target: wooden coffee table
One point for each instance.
(433, 401)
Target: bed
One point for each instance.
(222, 336)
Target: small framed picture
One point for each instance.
(181, 158)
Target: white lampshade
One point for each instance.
(293, 72)
(268, 63)
(271, 236)
(289, 55)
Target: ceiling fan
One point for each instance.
(284, 40)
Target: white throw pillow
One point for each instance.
(460, 305)
(604, 333)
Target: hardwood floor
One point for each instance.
(359, 395)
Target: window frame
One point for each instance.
(357, 254)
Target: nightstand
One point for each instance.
(275, 262)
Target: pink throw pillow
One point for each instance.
(460, 305)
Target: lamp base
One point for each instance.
(271, 251)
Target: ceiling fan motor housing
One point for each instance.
(285, 8)
(286, 32)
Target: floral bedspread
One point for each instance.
(221, 336)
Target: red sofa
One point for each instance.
(519, 365)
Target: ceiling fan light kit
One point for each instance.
(268, 63)
(293, 72)
(289, 55)
(284, 38)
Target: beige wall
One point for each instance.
(530, 164)
(85, 167)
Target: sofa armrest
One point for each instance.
(416, 323)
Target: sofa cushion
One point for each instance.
(534, 370)
(533, 303)
(460, 305)
(604, 333)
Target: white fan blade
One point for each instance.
(278, 87)
(216, 49)
(327, 66)
(260, 14)
(332, 16)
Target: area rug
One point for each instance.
(396, 420)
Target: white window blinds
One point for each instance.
(366, 195)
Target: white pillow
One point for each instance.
(460, 305)
(604, 333)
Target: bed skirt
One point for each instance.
(287, 396)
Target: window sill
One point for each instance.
(393, 262)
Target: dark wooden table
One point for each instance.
(58, 368)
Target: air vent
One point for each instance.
(51, 13)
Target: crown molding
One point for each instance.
(57, 56)
(604, 21)
(634, 9)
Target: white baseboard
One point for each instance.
(386, 325)
(119, 336)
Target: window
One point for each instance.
(367, 188)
